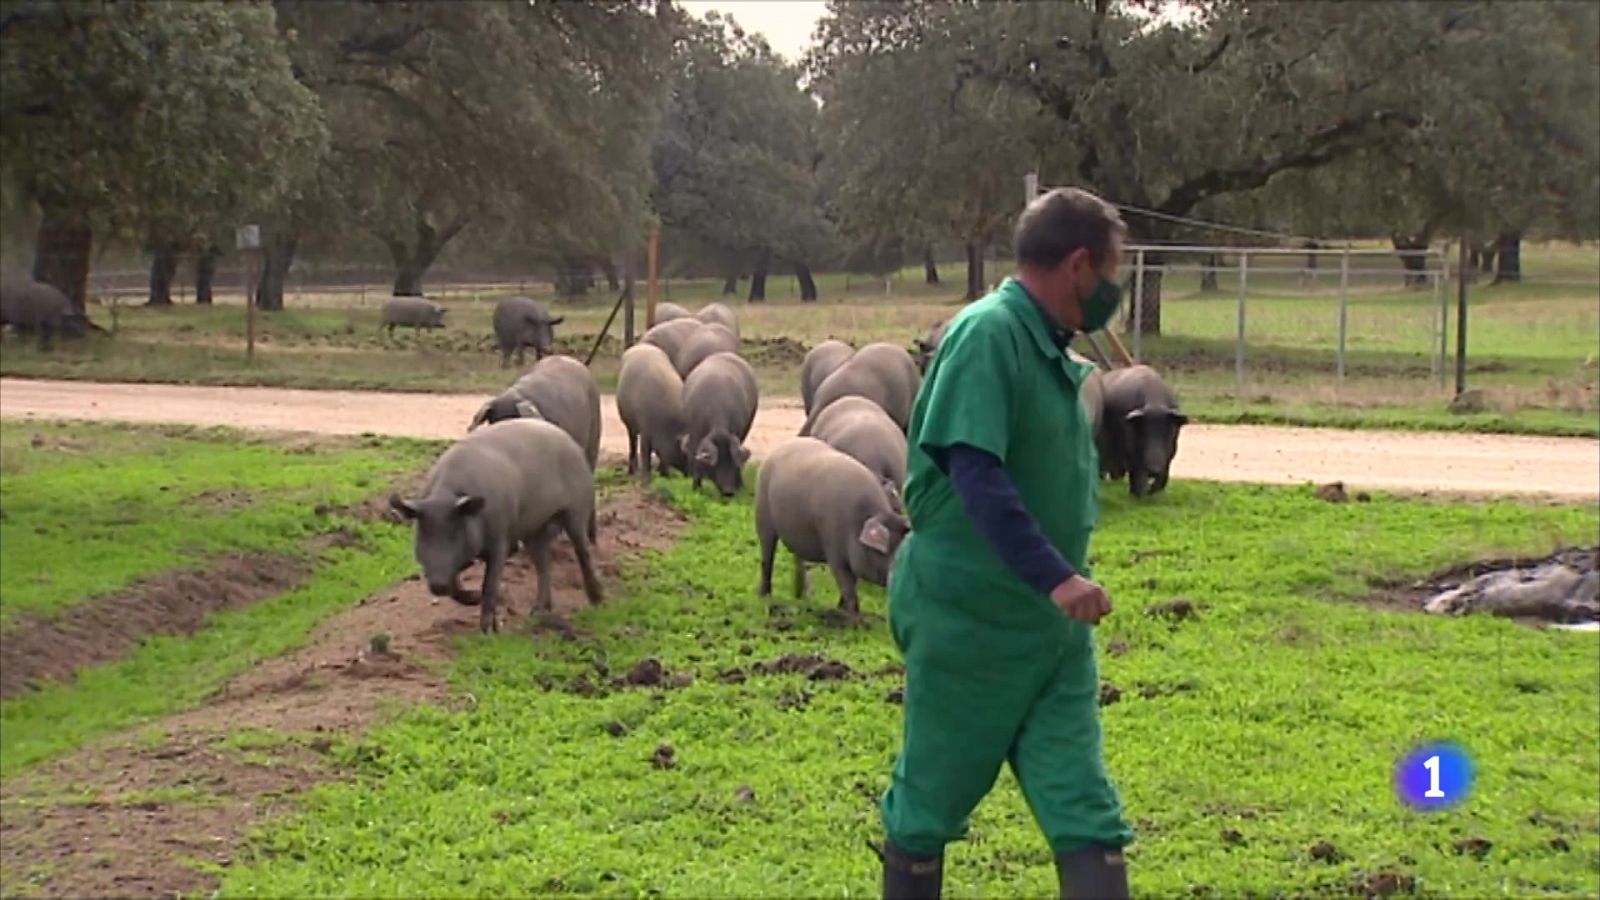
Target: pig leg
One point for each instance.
(646, 448)
(769, 554)
(539, 552)
(633, 452)
(848, 601)
(799, 578)
(580, 548)
(492, 566)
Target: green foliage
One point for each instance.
(540, 788)
(153, 117)
(734, 160)
(1477, 114)
(531, 119)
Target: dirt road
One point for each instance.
(1564, 467)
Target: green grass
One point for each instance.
(93, 507)
(1531, 345)
(90, 508)
(1291, 702)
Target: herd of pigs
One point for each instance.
(524, 473)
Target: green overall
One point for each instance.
(995, 672)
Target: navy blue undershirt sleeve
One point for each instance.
(991, 501)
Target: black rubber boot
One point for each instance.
(910, 877)
(1093, 873)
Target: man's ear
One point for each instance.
(875, 535)
(468, 505)
(404, 507)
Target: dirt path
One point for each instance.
(131, 815)
(1416, 461)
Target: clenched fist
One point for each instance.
(1081, 599)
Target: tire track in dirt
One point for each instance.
(1383, 460)
(121, 817)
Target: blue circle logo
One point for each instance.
(1434, 776)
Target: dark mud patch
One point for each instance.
(1109, 693)
(128, 822)
(814, 667)
(1177, 610)
(1560, 588)
(1154, 690)
(221, 500)
(1384, 883)
(776, 351)
(38, 649)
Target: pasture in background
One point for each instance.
(1531, 344)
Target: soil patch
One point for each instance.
(123, 820)
(1563, 587)
(40, 648)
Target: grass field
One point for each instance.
(543, 788)
(90, 509)
(1245, 736)
(1531, 346)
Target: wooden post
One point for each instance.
(1461, 319)
(248, 242)
(652, 255)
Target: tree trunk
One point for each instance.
(1486, 256)
(758, 278)
(610, 267)
(975, 287)
(411, 263)
(730, 284)
(277, 254)
(61, 253)
(575, 278)
(930, 271)
(1414, 265)
(808, 285)
(163, 268)
(1508, 257)
(205, 272)
(1208, 275)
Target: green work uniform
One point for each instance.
(994, 671)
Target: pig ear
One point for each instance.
(1135, 416)
(558, 320)
(744, 454)
(482, 416)
(707, 455)
(527, 410)
(468, 505)
(403, 507)
(1179, 419)
(875, 536)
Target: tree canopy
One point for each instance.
(146, 118)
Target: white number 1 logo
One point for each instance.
(1432, 765)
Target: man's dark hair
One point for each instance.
(1059, 222)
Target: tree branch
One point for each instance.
(1323, 147)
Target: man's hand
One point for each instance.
(1081, 599)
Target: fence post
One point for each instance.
(1461, 319)
(1344, 310)
(1238, 351)
(1138, 307)
(1442, 286)
(1440, 324)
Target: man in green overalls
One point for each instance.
(990, 600)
